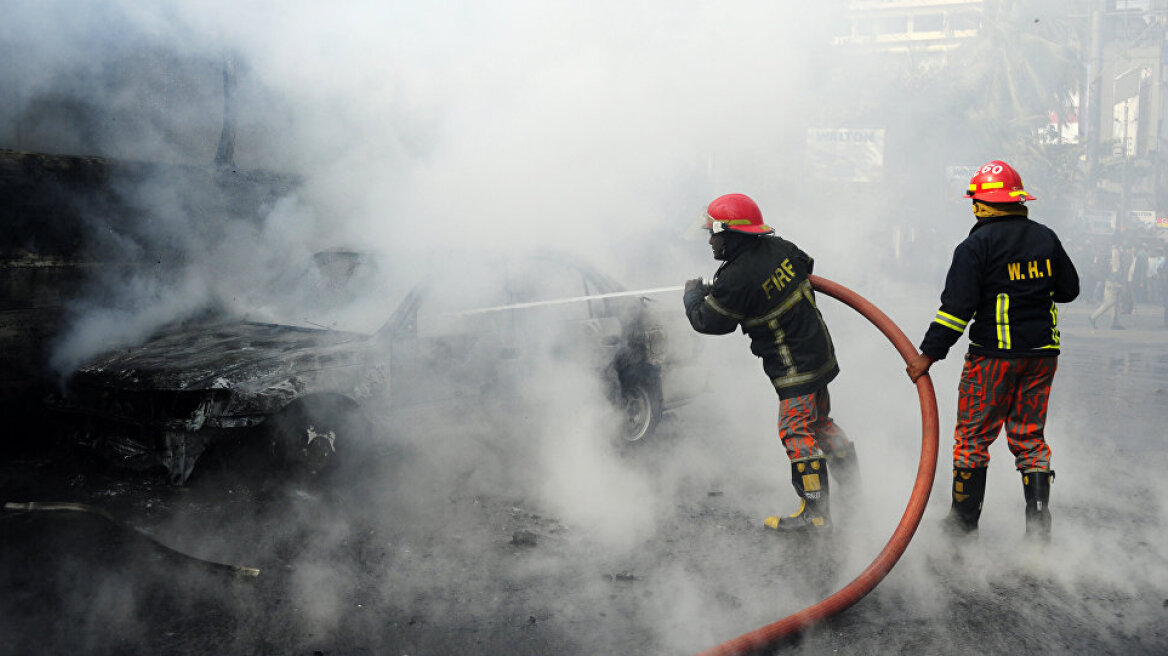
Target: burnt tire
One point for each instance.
(315, 437)
(640, 406)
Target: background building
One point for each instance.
(922, 31)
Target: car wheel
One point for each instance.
(312, 437)
(641, 408)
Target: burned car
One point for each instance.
(310, 393)
(476, 334)
(296, 387)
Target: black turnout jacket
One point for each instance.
(764, 289)
(1006, 277)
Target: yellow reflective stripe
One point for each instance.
(711, 220)
(1055, 337)
(950, 321)
(992, 185)
(1003, 320)
(943, 322)
(781, 343)
(720, 309)
(797, 379)
(1020, 192)
(956, 320)
(800, 293)
(973, 187)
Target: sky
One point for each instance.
(434, 133)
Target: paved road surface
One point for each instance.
(504, 537)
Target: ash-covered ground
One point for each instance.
(499, 536)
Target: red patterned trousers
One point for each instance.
(997, 391)
(806, 427)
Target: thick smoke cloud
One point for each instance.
(422, 131)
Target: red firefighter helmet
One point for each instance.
(737, 213)
(997, 182)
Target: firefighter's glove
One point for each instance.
(698, 284)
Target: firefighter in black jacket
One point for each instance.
(1006, 277)
(762, 286)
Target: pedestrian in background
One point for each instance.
(762, 286)
(1159, 270)
(1113, 290)
(1135, 263)
(1005, 277)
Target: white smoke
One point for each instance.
(421, 130)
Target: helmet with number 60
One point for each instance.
(997, 182)
(736, 213)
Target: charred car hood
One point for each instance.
(207, 357)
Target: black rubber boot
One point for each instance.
(968, 495)
(1036, 489)
(809, 476)
(844, 466)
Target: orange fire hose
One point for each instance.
(774, 634)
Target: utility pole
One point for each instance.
(1091, 114)
(1161, 108)
(225, 153)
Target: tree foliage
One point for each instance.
(1027, 62)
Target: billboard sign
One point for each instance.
(957, 177)
(846, 154)
(1097, 222)
(1141, 218)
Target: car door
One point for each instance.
(440, 350)
(557, 316)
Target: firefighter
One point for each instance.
(762, 286)
(1006, 277)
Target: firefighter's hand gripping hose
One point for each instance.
(775, 634)
(246, 572)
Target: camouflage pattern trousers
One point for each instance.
(806, 427)
(997, 391)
